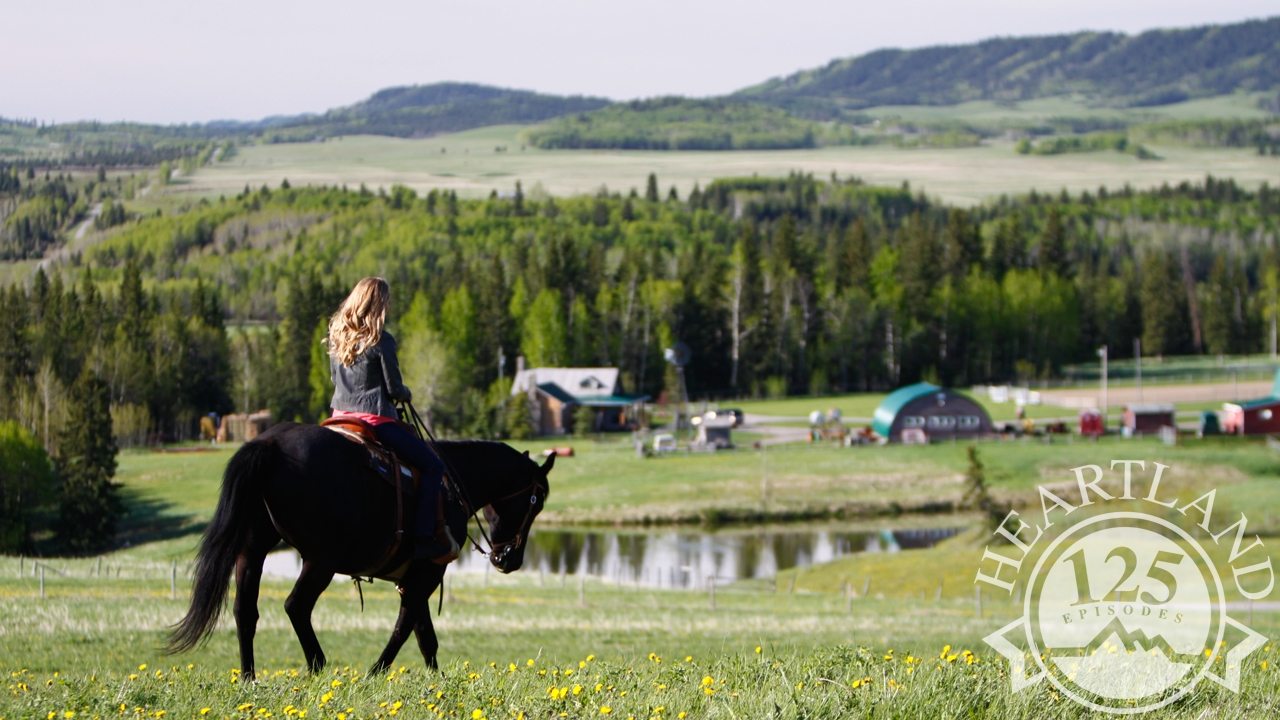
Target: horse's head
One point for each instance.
(511, 517)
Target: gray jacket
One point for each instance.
(371, 383)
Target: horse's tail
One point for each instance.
(224, 539)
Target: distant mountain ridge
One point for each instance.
(1105, 69)
(424, 110)
(1110, 69)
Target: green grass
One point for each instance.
(606, 483)
(964, 176)
(80, 648)
(89, 648)
(863, 405)
(1237, 106)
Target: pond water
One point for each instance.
(684, 557)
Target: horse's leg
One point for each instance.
(263, 537)
(423, 629)
(312, 581)
(412, 606)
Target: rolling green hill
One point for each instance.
(678, 124)
(1158, 67)
(423, 110)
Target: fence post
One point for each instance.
(848, 597)
(866, 587)
(21, 562)
(173, 581)
(977, 600)
(711, 590)
(41, 582)
(582, 590)
(938, 597)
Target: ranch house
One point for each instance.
(557, 393)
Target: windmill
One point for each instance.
(679, 355)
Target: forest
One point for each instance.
(780, 286)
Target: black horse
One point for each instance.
(315, 490)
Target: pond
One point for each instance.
(685, 557)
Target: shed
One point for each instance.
(1146, 419)
(940, 413)
(1260, 416)
(1091, 423)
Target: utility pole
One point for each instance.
(1102, 353)
(1137, 357)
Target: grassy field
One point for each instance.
(512, 648)
(863, 405)
(479, 161)
(1242, 106)
(172, 494)
(539, 646)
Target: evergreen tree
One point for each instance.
(88, 507)
(1164, 307)
(518, 420)
(1052, 256)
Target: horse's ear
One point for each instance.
(546, 466)
(526, 453)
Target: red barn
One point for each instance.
(1254, 417)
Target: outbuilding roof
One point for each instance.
(574, 381)
(592, 387)
(882, 421)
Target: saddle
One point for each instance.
(403, 479)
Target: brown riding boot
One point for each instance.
(441, 549)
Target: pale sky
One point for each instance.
(183, 61)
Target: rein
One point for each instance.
(523, 532)
(451, 478)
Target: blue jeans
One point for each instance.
(412, 450)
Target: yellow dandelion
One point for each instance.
(204, 710)
(759, 650)
(605, 709)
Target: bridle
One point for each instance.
(497, 551)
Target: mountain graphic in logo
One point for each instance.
(1122, 663)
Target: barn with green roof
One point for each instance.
(936, 413)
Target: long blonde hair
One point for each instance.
(357, 326)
